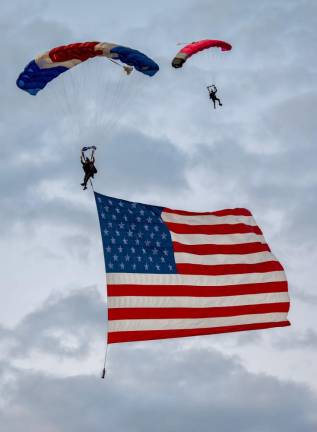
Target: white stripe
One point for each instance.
(207, 219)
(225, 239)
(254, 258)
(177, 279)
(196, 302)
(196, 323)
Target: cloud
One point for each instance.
(152, 385)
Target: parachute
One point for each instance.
(90, 101)
(195, 47)
(49, 65)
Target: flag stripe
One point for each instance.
(189, 258)
(222, 229)
(228, 269)
(133, 336)
(206, 239)
(195, 302)
(193, 323)
(195, 290)
(176, 279)
(226, 212)
(213, 249)
(136, 313)
(207, 219)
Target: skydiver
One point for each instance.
(88, 167)
(212, 95)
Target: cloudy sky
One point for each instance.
(159, 141)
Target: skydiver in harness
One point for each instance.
(88, 165)
(212, 95)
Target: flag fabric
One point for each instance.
(173, 273)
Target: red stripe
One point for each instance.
(239, 228)
(195, 291)
(185, 313)
(228, 269)
(132, 336)
(80, 51)
(212, 249)
(226, 212)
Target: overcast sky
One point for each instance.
(159, 141)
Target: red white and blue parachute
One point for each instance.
(195, 47)
(46, 67)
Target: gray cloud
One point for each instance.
(258, 152)
(154, 385)
(303, 340)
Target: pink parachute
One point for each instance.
(195, 47)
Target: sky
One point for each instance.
(159, 141)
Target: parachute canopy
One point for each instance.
(195, 47)
(51, 64)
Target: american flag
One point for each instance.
(173, 273)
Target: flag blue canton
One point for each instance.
(135, 238)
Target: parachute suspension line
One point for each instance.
(126, 68)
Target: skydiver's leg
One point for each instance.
(87, 176)
(219, 102)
